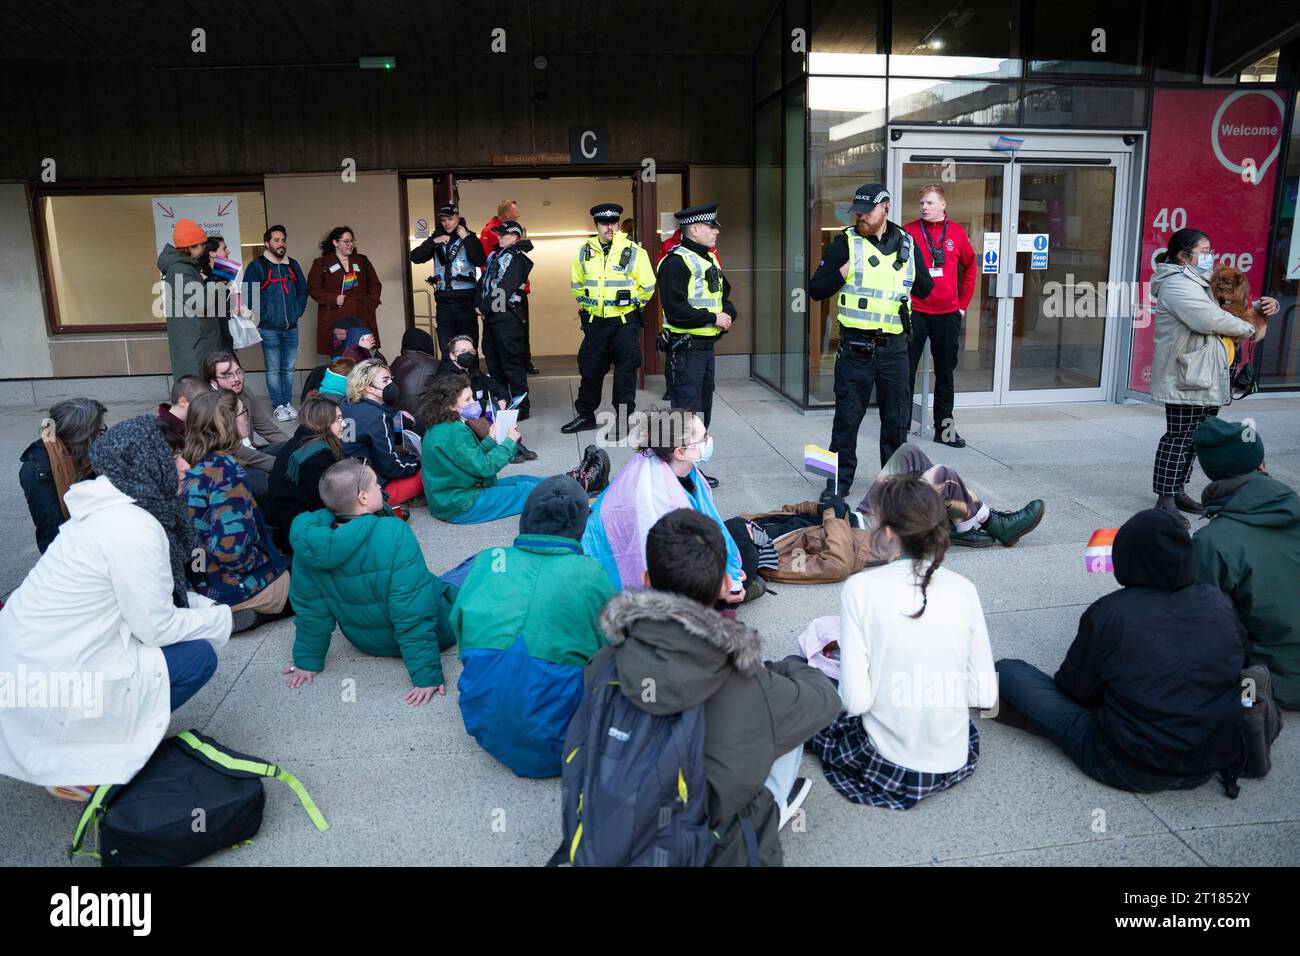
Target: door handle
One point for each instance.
(1017, 285)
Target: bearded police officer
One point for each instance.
(612, 279)
(697, 308)
(457, 254)
(876, 268)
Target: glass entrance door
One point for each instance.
(1046, 224)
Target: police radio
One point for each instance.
(625, 258)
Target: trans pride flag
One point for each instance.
(1097, 555)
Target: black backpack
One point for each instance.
(192, 798)
(634, 791)
(1261, 722)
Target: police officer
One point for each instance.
(456, 253)
(500, 300)
(612, 279)
(697, 308)
(875, 267)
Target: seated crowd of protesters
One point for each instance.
(156, 528)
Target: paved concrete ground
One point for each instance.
(408, 786)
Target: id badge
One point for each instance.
(937, 272)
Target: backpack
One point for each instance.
(634, 792)
(1261, 722)
(192, 798)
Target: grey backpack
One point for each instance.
(634, 790)
(1261, 722)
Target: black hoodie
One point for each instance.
(1161, 658)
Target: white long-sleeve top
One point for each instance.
(914, 680)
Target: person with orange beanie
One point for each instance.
(193, 316)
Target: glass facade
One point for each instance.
(823, 112)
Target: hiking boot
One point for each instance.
(1008, 527)
(798, 793)
(522, 454)
(1185, 502)
(580, 423)
(593, 473)
(1167, 504)
(970, 538)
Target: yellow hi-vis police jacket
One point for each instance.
(871, 294)
(699, 293)
(614, 283)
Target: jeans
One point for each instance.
(190, 665)
(783, 775)
(502, 500)
(280, 350)
(1074, 728)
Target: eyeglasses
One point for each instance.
(243, 413)
(361, 475)
(236, 374)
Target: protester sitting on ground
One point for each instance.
(414, 369)
(910, 669)
(299, 465)
(357, 566)
(757, 715)
(241, 566)
(330, 380)
(522, 650)
(171, 416)
(815, 542)
(664, 475)
(1250, 549)
(109, 591)
(60, 457)
(371, 408)
(460, 460)
(462, 358)
(1149, 695)
(221, 369)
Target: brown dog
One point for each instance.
(1233, 292)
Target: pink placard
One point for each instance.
(1211, 166)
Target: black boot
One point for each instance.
(522, 454)
(580, 423)
(1167, 504)
(1185, 502)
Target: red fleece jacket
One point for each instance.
(949, 294)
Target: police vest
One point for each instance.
(494, 271)
(876, 284)
(457, 271)
(701, 293)
(605, 283)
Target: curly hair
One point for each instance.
(438, 397)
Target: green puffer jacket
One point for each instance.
(1251, 551)
(456, 467)
(367, 575)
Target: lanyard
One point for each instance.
(943, 239)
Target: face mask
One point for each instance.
(472, 410)
(391, 394)
(467, 360)
(1205, 263)
(706, 452)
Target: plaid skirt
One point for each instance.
(855, 768)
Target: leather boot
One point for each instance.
(1187, 503)
(1166, 503)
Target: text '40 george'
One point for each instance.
(612, 280)
(872, 268)
(697, 309)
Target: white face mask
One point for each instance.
(706, 452)
(1205, 263)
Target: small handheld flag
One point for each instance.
(225, 268)
(1097, 555)
(1008, 144)
(819, 461)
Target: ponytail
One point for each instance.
(912, 510)
(1181, 242)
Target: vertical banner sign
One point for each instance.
(217, 215)
(1213, 163)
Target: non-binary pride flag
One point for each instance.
(820, 461)
(1097, 555)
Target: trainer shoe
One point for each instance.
(970, 538)
(1008, 527)
(293, 412)
(798, 793)
(282, 414)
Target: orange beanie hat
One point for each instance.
(187, 233)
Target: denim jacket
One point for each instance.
(277, 292)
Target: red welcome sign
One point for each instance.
(1211, 165)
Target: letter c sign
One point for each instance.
(588, 144)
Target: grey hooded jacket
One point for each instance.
(754, 712)
(1188, 321)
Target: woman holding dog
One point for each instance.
(1189, 372)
